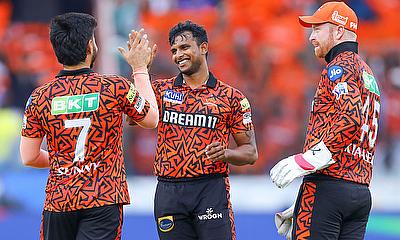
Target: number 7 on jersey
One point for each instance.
(80, 143)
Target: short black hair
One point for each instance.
(198, 32)
(69, 36)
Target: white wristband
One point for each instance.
(318, 156)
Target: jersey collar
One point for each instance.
(341, 47)
(211, 82)
(74, 72)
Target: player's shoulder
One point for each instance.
(163, 82)
(111, 78)
(41, 91)
(229, 89)
(344, 64)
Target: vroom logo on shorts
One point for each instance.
(210, 215)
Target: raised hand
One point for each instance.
(139, 54)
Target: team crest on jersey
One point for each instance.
(340, 89)
(247, 118)
(245, 104)
(335, 72)
(173, 97)
(166, 224)
(75, 103)
(370, 83)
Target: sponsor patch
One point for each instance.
(75, 104)
(353, 25)
(370, 83)
(245, 104)
(335, 72)
(140, 104)
(190, 119)
(342, 20)
(131, 93)
(24, 121)
(247, 118)
(166, 224)
(28, 102)
(210, 214)
(340, 89)
(174, 97)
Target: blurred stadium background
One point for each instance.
(257, 46)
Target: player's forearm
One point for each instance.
(142, 82)
(143, 85)
(41, 160)
(242, 155)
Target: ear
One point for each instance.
(204, 48)
(90, 47)
(340, 32)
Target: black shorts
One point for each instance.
(199, 208)
(99, 223)
(329, 208)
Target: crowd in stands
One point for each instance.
(256, 46)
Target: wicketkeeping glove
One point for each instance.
(286, 170)
(284, 222)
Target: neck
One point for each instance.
(85, 64)
(198, 78)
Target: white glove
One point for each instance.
(284, 222)
(286, 170)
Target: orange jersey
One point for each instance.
(345, 114)
(191, 119)
(80, 113)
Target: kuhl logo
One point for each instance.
(174, 97)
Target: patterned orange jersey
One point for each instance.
(345, 115)
(191, 119)
(80, 113)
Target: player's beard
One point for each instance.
(327, 45)
(194, 67)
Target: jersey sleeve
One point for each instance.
(241, 119)
(31, 126)
(342, 88)
(130, 101)
(156, 85)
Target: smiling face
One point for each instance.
(322, 37)
(186, 54)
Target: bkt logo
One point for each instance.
(335, 72)
(75, 104)
(210, 215)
